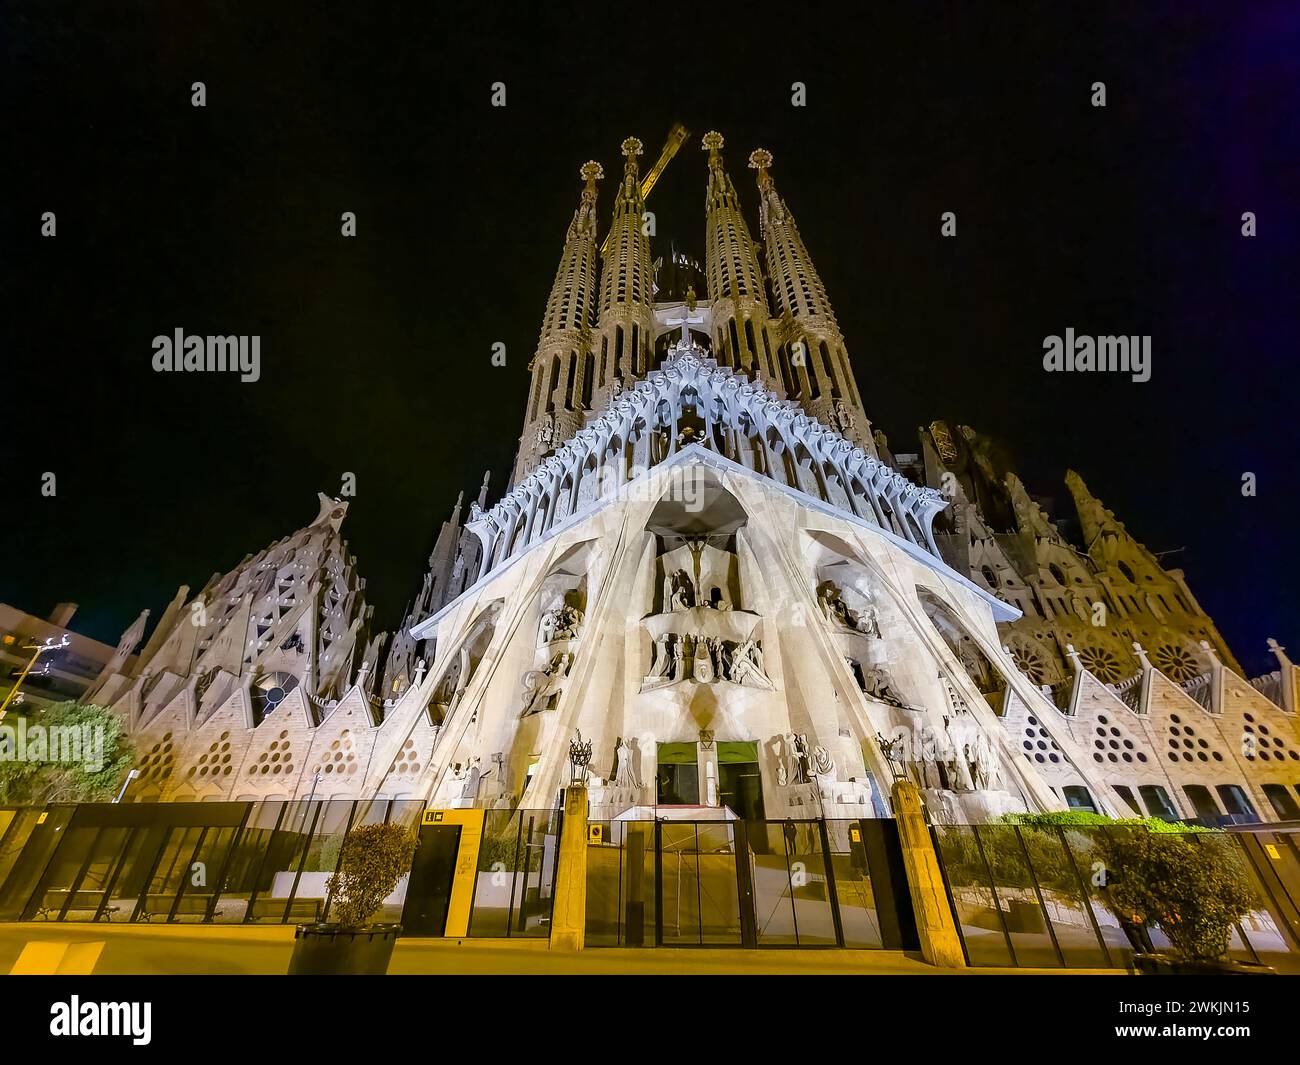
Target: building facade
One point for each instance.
(708, 566)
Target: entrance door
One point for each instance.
(741, 789)
(677, 777)
(428, 892)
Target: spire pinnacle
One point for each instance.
(712, 143)
(591, 172)
(760, 159)
(631, 147)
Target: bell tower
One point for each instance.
(561, 367)
(814, 362)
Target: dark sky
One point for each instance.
(376, 350)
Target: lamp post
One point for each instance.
(37, 650)
(130, 776)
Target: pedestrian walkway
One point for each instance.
(265, 950)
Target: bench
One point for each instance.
(302, 911)
(61, 899)
(161, 906)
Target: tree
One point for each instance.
(68, 752)
(1194, 887)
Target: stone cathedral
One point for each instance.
(708, 566)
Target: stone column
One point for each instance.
(708, 774)
(940, 943)
(569, 909)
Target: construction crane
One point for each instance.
(676, 138)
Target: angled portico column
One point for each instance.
(569, 910)
(940, 943)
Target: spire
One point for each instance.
(626, 324)
(1029, 515)
(798, 287)
(740, 314)
(560, 364)
(814, 362)
(1097, 523)
(483, 490)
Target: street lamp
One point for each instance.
(37, 650)
(130, 776)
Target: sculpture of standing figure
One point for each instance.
(929, 752)
(869, 622)
(681, 592)
(987, 775)
(802, 766)
(623, 777)
(702, 664)
(469, 791)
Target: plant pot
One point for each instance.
(1168, 965)
(332, 950)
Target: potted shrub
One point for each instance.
(373, 859)
(1194, 888)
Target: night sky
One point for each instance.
(376, 350)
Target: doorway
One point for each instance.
(428, 892)
(677, 775)
(740, 785)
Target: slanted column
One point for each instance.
(569, 908)
(940, 943)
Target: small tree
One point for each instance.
(81, 755)
(375, 858)
(1193, 888)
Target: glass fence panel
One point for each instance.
(852, 871)
(774, 909)
(679, 885)
(276, 899)
(637, 884)
(515, 874)
(56, 894)
(979, 917)
(718, 901)
(24, 826)
(814, 918)
(243, 874)
(1118, 931)
(1273, 928)
(1064, 904)
(605, 850)
(324, 852)
(200, 886)
(1023, 914)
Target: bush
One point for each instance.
(375, 858)
(1193, 889)
(1081, 818)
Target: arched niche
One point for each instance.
(984, 674)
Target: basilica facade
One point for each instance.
(708, 566)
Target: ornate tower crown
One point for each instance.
(712, 143)
(760, 159)
(591, 171)
(632, 147)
